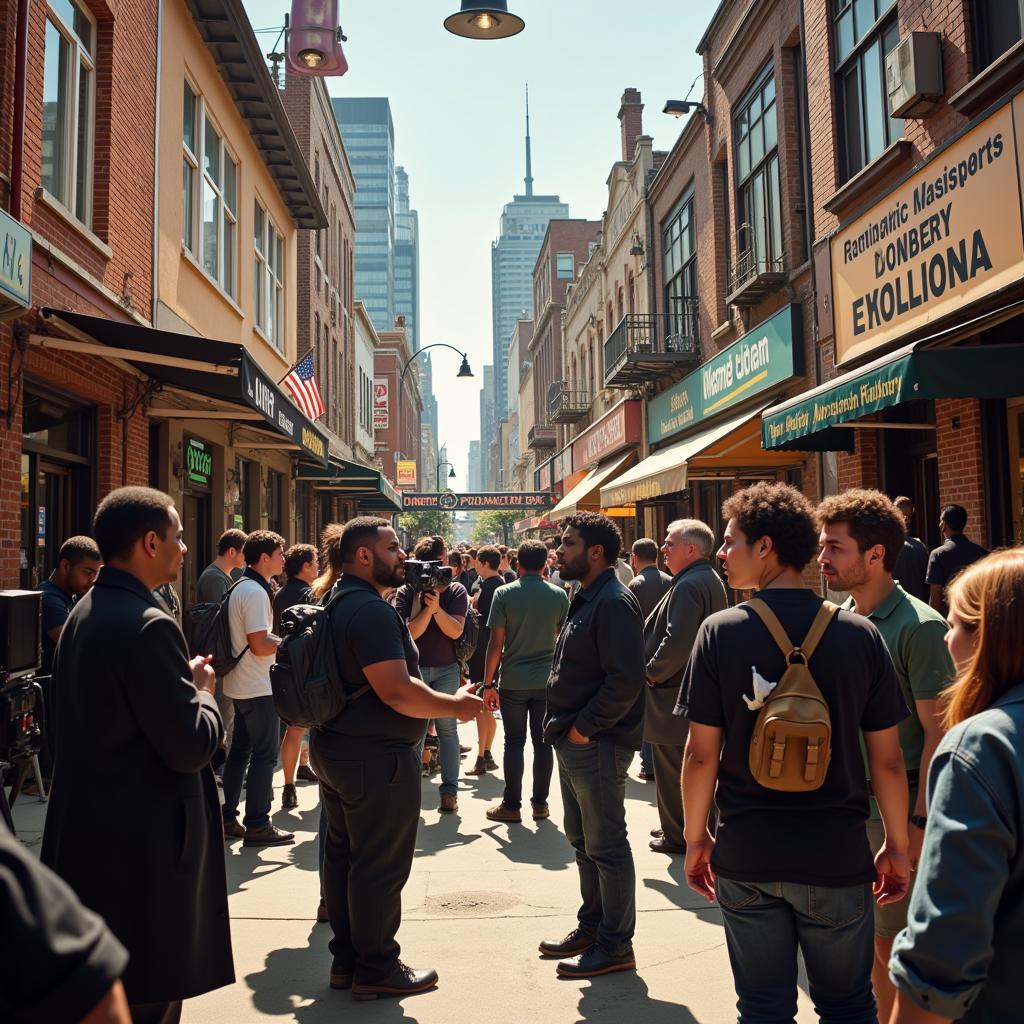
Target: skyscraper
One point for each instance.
(369, 135)
(473, 481)
(523, 224)
(407, 260)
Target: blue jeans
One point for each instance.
(646, 759)
(518, 707)
(445, 679)
(255, 743)
(593, 780)
(765, 924)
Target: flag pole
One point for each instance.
(290, 368)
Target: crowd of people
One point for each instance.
(845, 780)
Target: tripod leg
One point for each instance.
(38, 774)
(5, 810)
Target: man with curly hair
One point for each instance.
(862, 537)
(791, 870)
(594, 720)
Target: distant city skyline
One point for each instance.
(457, 107)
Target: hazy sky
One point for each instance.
(457, 105)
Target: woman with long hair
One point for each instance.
(960, 954)
(330, 561)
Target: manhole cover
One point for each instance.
(471, 904)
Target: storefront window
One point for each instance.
(275, 501)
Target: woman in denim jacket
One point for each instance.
(960, 956)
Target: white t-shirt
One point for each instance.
(249, 611)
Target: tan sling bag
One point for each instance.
(792, 742)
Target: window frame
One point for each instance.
(980, 33)
(687, 270)
(559, 273)
(70, 158)
(268, 281)
(194, 158)
(852, 64)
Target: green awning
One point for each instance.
(813, 421)
(363, 484)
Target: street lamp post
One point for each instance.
(464, 371)
(451, 473)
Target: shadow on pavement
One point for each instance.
(677, 892)
(645, 792)
(442, 834)
(546, 846)
(624, 997)
(297, 974)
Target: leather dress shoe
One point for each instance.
(233, 829)
(662, 845)
(402, 981)
(341, 977)
(595, 962)
(577, 941)
(657, 833)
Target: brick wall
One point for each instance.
(958, 441)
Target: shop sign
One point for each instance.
(544, 474)
(450, 501)
(198, 463)
(266, 397)
(405, 473)
(381, 404)
(15, 267)
(949, 235)
(561, 464)
(619, 429)
(764, 357)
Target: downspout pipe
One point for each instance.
(20, 88)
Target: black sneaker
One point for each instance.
(402, 981)
(289, 798)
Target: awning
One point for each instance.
(190, 364)
(585, 496)
(733, 443)
(533, 523)
(812, 421)
(363, 484)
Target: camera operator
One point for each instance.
(368, 767)
(436, 619)
(78, 562)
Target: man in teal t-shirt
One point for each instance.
(862, 535)
(524, 620)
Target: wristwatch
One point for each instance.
(918, 821)
(489, 686)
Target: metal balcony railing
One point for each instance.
(645, 345)
(754, 275)
(565, 404)
(541, 436)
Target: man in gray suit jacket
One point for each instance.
(669, 632)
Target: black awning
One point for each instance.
(216, 369)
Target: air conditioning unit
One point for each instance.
(913, 74)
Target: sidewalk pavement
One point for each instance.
(481, 897)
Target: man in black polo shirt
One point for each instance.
(950, 557)
(791, 870)
(595, 698)
(368, 764)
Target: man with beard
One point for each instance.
(368, 764)
(595, 711)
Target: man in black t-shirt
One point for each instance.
(368, 766)
(950, 557)
(791, 870)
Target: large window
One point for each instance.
(69, 84)
(759, 213)
(679, 256)
(997, 24)
(865, 31)
(565, 266)
(268, 294)
(209, 194)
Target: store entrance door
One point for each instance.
(196, 529)
(46, 518)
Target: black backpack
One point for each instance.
(207, 630)
(306, 678)
(465, 646)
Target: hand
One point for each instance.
(916, 842)
(575, 736)
(699, 876)
(491, 700)
(892, 876)
(431, 601)
(467, 705)
(203, 676)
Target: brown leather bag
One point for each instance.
(792, 742)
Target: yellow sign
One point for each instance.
(313, 442)
(950, 234)
(406, 473)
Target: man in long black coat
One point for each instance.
(669, 632)
(134, 823)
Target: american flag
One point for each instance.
(301, 382)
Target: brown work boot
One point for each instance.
(480, 768)
(541, 811)
(499, 812)
(233, 829)
(269, 835)
(402, 981)
(449, 803)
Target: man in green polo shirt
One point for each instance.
(524, 620)
(862, 534)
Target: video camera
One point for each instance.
(424, 576)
